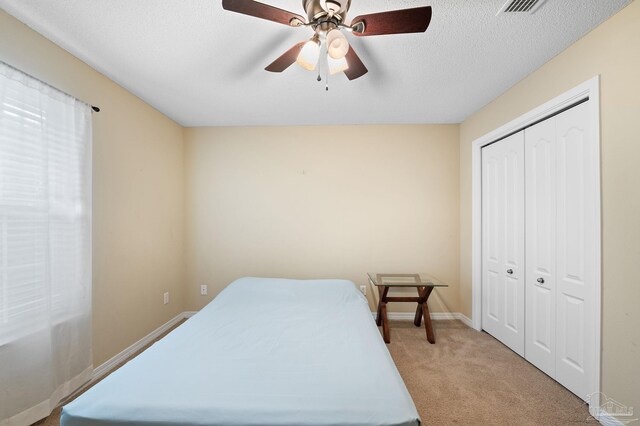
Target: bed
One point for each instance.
(264, 352)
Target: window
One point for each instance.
(45, 206)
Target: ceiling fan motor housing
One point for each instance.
(317, 9)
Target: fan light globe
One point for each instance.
(337, 65)
(337, 44)
(309, 55)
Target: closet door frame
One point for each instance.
(589, 90)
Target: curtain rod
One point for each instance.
(93, 107)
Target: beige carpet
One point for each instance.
(469, 378)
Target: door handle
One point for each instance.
(510, 271)
(540, 280)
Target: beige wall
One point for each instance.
(138, 219)
(322, 202)
(613, 51)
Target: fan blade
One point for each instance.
(403, 21)
(264, 11)
(285, 61)
(356, 67)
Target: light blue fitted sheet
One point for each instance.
(264, 352)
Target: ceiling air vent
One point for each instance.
(513, 6)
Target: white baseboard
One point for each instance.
(607, 419)
(436, 316)
(108, 366)
(111, 364)
(465, 320)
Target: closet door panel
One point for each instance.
(492, 210)
(503, 241)
(514, 241)
(540, 155)
(575, 252)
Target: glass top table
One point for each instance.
(404, 280)
(422, 282)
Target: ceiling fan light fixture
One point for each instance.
(337, 44)
(309, 55)
(337, 65)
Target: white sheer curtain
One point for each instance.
(45, 247)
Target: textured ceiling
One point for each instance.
(203, 66)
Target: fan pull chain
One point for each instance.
(327, 78)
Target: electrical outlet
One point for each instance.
(204, 290)
(166, 298)
(363, 289)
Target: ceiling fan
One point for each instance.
(327, 18)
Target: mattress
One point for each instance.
(263, 352)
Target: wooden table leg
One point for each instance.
(385, 324)
(379, 312)
(418, 318)
(382, 314)
(427, 317)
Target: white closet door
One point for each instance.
(540, 154)
(503, 241)
(561, 255)
(576, 252)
